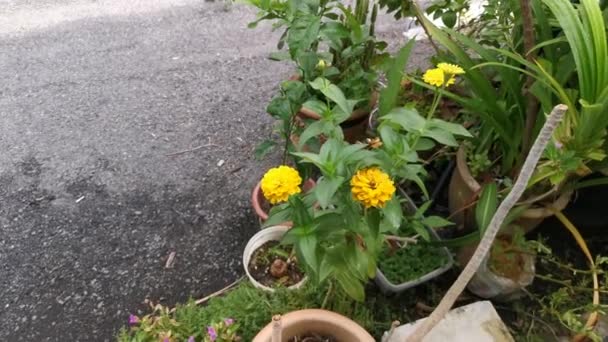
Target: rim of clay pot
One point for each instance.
(532, 213)
(316, 320)
(274, 233)
(257, 197)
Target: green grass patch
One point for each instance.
(410, 263)
(252, 309)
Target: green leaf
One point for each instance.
(441, 136)
(407, 118)
(334, 32)
(332, 92)
(449, 19)
(453, 128)
(304, 31)
(316, 106)
(388, 95)
(280, 108)
(301, 217)
(307, 62)
(326, 189)
(436, 222)
(307, 245)
(264, 148)
(390, 138)
(486, 206)
(278, 214)
(393, 212)
(421, 230)
(457, 242)
(329, 222)
(325, 269)
(314, 129)
(373, 222)
(351, 285)
(279, 56)
(312, 158)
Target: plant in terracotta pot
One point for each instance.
(325, 39)
(312, 325)
(508, 95)
(284, 108)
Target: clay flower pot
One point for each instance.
(463, 188)
(259, 202)
(274, 233)
(322, 322)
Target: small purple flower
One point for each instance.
(212, 333)
(166, 339)
(133, 319)
(229, 322)
(190, 339)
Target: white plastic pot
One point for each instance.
(487, 284)
(387, 286)
(274, 233)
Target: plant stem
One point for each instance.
(532, 101)
(292, 121)
(566, 284)
(429, 115)
(593, 317)
(329, 291)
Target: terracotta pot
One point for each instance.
(318, 321)
(463, 189)
(257, 198)
(274, 233)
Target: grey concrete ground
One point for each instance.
(96, 98)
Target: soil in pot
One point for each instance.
(275, 265)
(506, 259)
(313, 337)
(400, 265)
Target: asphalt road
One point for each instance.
(127, 131)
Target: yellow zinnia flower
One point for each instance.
(450, 69)
(372, 187)
(437, 77)
(279, 183)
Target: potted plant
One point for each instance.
(312, 325)
(262, 206)
(407, 262)
(508, 269)
(269, 264)
(356, 205)
(331, 41)
(509, 93)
